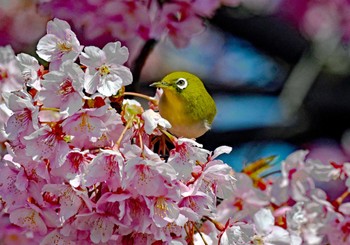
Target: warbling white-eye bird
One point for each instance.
(186, 104)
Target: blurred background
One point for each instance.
(277, 69)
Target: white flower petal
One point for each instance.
(116, 54)
(264, 221)
(46, 47)
(91, 82)
(278, 236)
(109, 85)
(221, 150)
(92, 57)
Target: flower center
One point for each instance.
(104, 70)
(65, 47)
(3, 74)
(66, 87)
(161, 207)
(258, 240)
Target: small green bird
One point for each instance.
(186, 104)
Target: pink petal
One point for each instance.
(29, 219)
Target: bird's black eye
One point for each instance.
(181, 83)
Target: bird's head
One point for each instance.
(180, 82)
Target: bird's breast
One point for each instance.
(173, 108)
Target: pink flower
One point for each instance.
(63, 88)
(29, 219)
(310, 219)
(266, 232)
(238, 234)
(9, 192)
(31, 70)
(114, 204)
(162, 210)
(219, 175)
(171, 233)
(153, 120)
(196, 204)
(328, 171)
(135, 216)
(68, 199)
(338, 229)
(36, 219)
(149, 176)
(24, 119)
(295, 183)
(79, 171)
(59, 44)
(100, 226)
(105, 72)
(14, 28)
(47, 143)
(5, 114)
(244, 201)
(88, 126)
(107, 167)
(10, 74)
(179, 22)
(184, 156)
(11, 234)
(56, 237)
(136, 23)
(320, 20)
(74, 166)
(137, 239)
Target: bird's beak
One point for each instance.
(159, 84)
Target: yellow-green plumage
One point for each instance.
(186, 104)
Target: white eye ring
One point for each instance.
(181, 83)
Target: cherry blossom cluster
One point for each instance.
(307, 204)
(134, 22)
(86, 166)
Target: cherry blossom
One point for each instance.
(146, 175)
(106, 166)
(59, 44)
(179, 22)
(31, 70)
(10, 74)
(5, 114)
(29, 219)
(197, 203)
(237, 234)
(56, 237)
(100, 226)
(63, 88)
(8, 189)
(105, 72)
(24, 118)
(183, 157)
(53, 146)
(152, 120)
(309, 219)
(266, 232)
(69, 199)
(245, 200)
(295, 181)
(88, 126)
